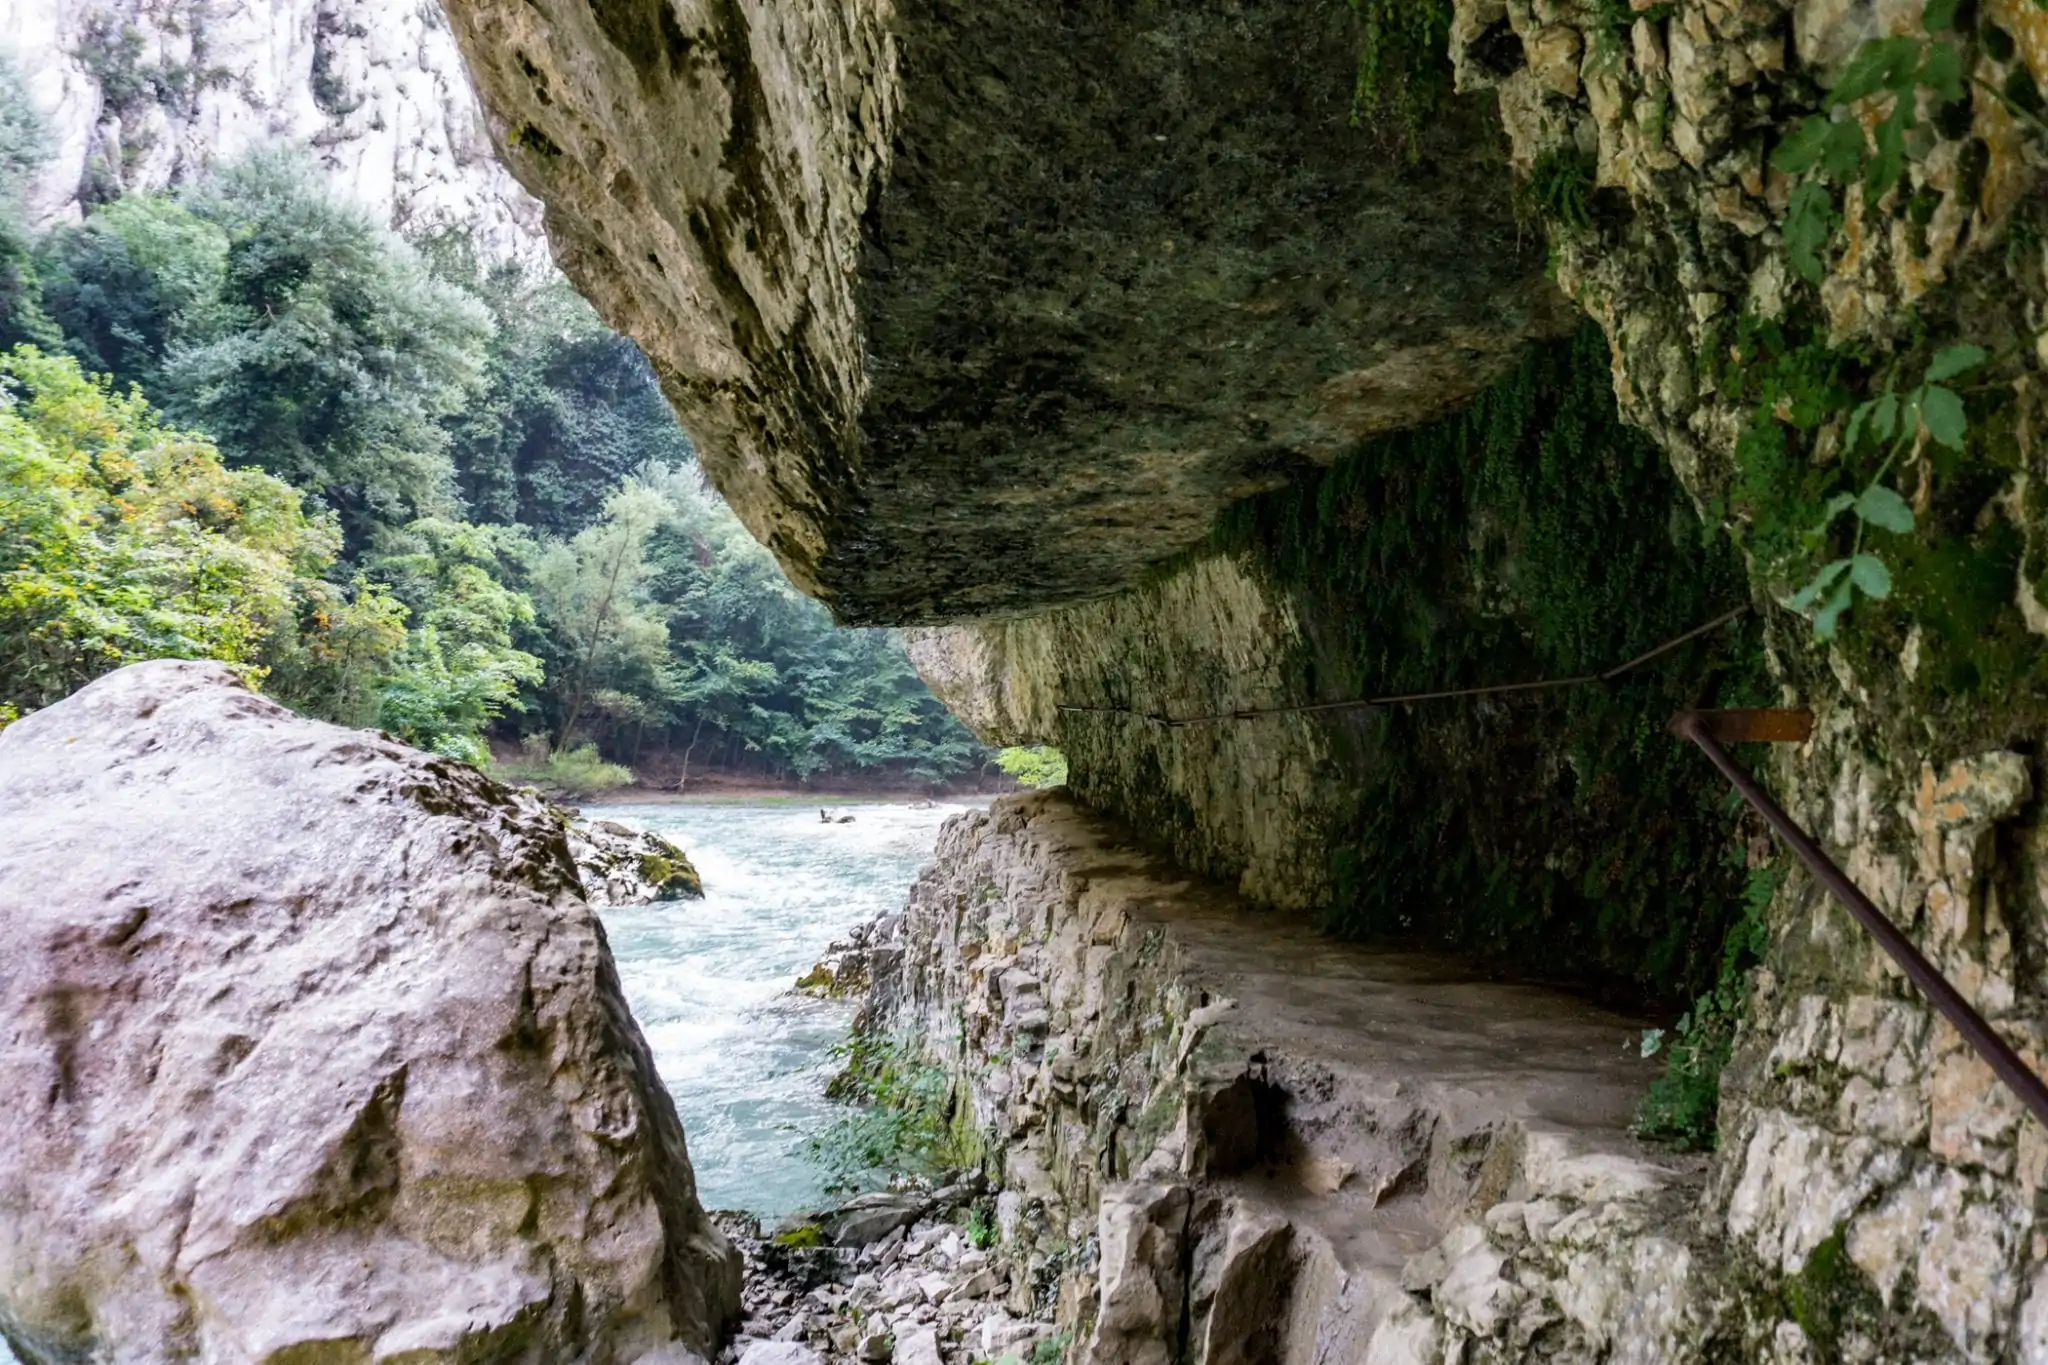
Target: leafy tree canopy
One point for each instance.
(124, 539)
(432, 495)
(334, 355)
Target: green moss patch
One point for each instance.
(1532, 536)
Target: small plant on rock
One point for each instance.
(1683, 1104)
(1052, 1350)
(901, 1118)
(981, 1225)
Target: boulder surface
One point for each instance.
(314, 1052)
(619, 865)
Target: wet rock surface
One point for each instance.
(904, 1276)
(620, 865)
(849, 964)
(318, 1053)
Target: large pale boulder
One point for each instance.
(314, 1053)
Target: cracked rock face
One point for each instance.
(1222, 1139)
(316, 1053)
(144, 94)
(974, 309)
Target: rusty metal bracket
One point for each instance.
(1709, 729)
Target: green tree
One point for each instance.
(335, 356)
(123, 539)
(568, 408)
(592, 594)
(459, 670)
(24, 146)
(139, 277)
(765, 675)
(347, 642)
(1040, 765)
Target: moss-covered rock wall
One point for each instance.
(1536, 537)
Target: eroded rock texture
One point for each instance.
(1873, 1199)
(316, 1053)
(1224, 1139)
(620, 865)
(974, 309)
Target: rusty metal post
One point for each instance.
(1700, 728)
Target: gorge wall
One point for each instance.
(1085, 347)
(1222, 1138)
(145, 94)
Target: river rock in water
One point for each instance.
(314, 1052)
(622, 866)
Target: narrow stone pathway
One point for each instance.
(1229, 1138)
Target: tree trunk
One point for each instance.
(684, 776)
(598, 619)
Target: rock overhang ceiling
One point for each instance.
(975, 311)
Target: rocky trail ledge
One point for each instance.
(1219, 1137)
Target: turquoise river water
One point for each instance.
(745, 1057)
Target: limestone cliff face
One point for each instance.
(975, 309)
(141, 94)
(334, 1064)
(1879, 1195)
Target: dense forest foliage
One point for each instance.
(394, 486)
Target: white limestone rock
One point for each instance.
(314, 1048)
(376, 92)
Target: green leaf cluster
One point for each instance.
(1040, 765)
(1834, 148)
(902, 1118)
(123, 539)
(1682, 1105)
(1403, 73)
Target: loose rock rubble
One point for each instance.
(894, 1276)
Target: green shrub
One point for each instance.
(1561, 187)
(579, 771)
(1041, 765)
(981, 1225)
(903, 1117)
(1684, 1103)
